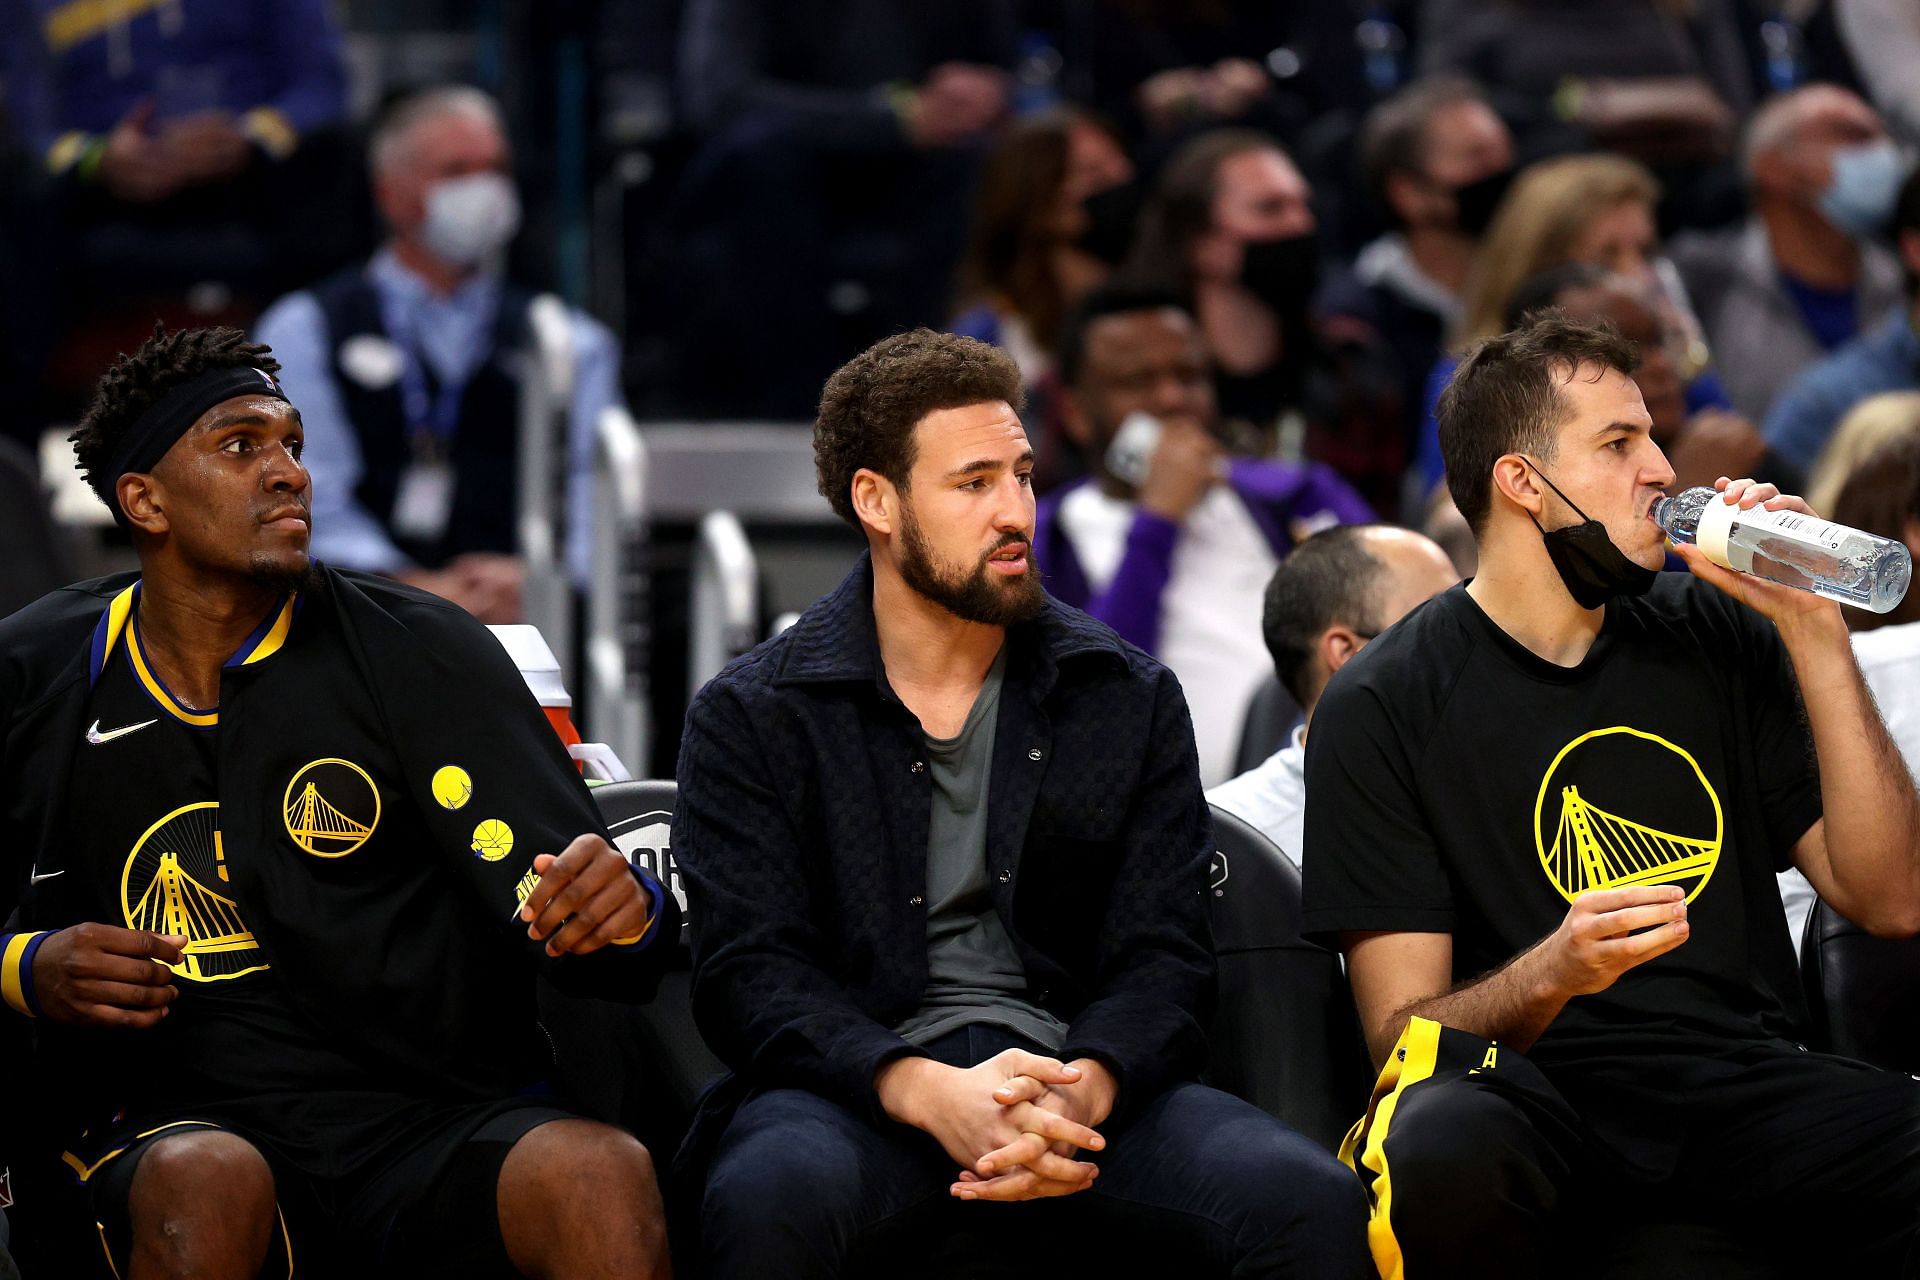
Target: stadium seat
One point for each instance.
(642, 1067)
(1271, 715)
(1861, 991)
(1284, 1035)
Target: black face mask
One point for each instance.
(1110, 216)
(1475, 203)
(1593, 569)
(1282, 273)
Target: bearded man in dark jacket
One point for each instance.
(946, 855)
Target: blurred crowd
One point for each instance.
(1234, 248)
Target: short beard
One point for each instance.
(283, 578)
(980, 596)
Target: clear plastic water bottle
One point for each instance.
(1796, 550)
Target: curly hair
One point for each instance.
(872, 403)
(133, 384)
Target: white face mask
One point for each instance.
(470, 219)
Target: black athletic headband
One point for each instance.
(167, 419)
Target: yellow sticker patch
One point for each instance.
(452, 788)
(331, 807)
(492, 840)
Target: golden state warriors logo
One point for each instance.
(166, 887)
(1621, 807)
(452, 787)
(331, 807)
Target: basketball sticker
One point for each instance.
(492, 840)
(452, 788)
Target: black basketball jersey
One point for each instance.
(145, 819)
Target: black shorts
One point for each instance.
(366, 1183)
(1765, 1157)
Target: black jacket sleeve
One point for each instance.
(452, 696)
(760, 995)
(1154, 977)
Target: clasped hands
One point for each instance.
(1014, 1123)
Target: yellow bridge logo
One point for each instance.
(331, 807)
(164, 889)
(1591, 848)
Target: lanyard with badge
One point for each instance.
(424, 501)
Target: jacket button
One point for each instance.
(915, 900)
(1005, 876)
(1034, 754)
(918, 766)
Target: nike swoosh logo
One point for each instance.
(96, 737)
(38, 876)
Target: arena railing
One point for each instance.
(724, 617)
(617, 598)
(546, 399)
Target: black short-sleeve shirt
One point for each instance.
(1458, 783)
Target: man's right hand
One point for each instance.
(956, 1106)
(1185, 464)
(99, 975)
(1595, 944)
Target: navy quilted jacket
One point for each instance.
(802, 825)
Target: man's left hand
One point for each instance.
(1785, 605)
(1023, 1169)
(586, 898)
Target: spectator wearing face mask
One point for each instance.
(1041, 233)
(1230, 229)
(407, 369)
(1804, 274)
(1051, 218)
(1883, 358)
(1437, 159)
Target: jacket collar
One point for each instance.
(834, 641)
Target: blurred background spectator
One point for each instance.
(193, 161)
(407, 370)
(1805, 272)
(1437, 160)
(1051, 219)
(1663, 81)
(825, 206)
(1884, 358)
(1170, 541)
(1875, 422)
(1230, 229)
(1883, 39)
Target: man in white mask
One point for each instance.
(1808, 271)
(408, 369)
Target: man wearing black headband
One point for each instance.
(284, 849)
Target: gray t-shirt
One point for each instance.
(973, 969)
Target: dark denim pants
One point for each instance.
(801, 1187)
